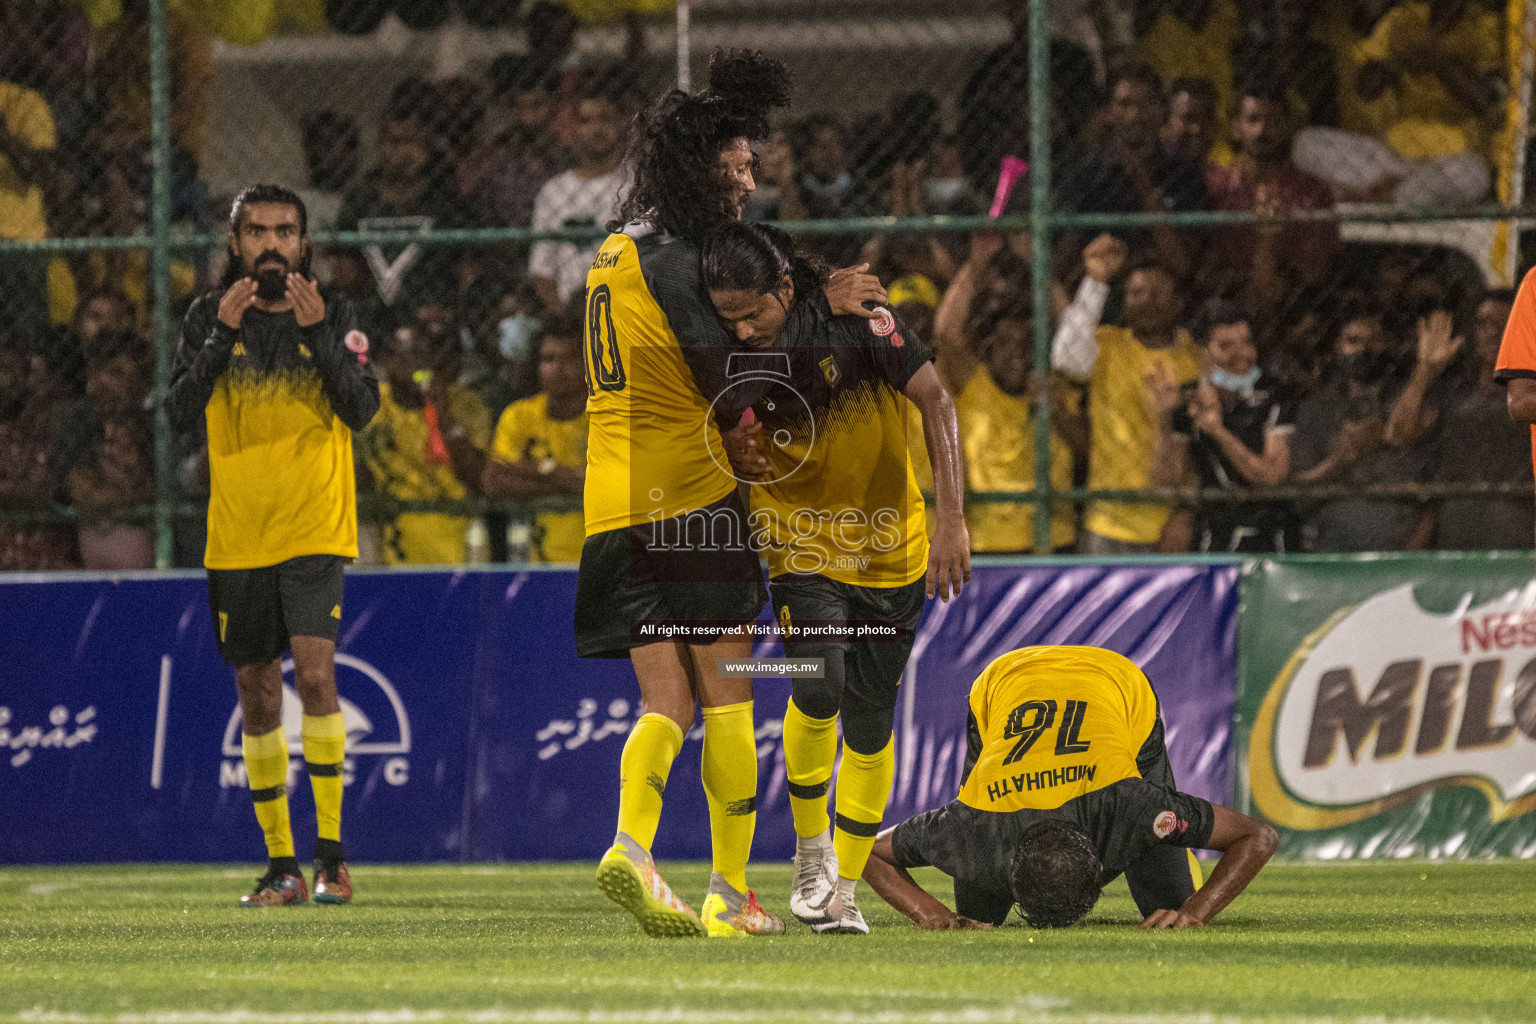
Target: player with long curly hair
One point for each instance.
(669, 577)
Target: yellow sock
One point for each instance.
(863, 787)
(730, 784)
(325, 740)
(810, 748)
(266, 771)
(1195, 874)
(643, 769)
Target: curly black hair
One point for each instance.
(1056, 874)
(675, 147)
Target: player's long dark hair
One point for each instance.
(675, 146)
(249, 196)
(1056, 873)
(756, 258)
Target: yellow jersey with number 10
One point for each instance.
(1056, 723)
(653, 449)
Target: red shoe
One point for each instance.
(275, 889)
(333, 883)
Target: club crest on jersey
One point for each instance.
(830, 371)
(357, 343)
(884, 324)
(1166, 823)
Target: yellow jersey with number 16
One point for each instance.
(1056, 723)
(654, 351)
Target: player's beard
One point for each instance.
(271, 282)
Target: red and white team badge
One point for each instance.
(357, 343)
(1164, 824)
(883, 324)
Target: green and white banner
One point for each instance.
(1387, 704)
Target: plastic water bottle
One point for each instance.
(519, 541)
(477, 543)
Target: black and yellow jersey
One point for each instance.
(281, 403)
(839, 499)
(1054, 723)
(1070, 733)
(656, 355)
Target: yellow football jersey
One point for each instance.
(998, 432)
(525, 431)
(840, 498)
(395, 447)
(1056, 723)
(1124, 434)
(653, 446)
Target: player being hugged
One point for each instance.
(280, 375)
(1066, 785)
(840, 520)
(668, 576)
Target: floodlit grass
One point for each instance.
(1383, 943)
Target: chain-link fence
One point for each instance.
(1206, 274)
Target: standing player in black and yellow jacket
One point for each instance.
(839, 518)
(668, 575)
(1066, 785)
(282, 379)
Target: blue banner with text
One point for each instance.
(474, 731)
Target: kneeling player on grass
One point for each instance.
(840, 520)
(1067, 785)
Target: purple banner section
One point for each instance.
(475, 733)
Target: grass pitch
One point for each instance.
(1386, 943)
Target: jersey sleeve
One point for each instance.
(675, 279)
(1517, 352)
(894, 348)
(1126, 819)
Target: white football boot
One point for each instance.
(815, 881)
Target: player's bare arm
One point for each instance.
(949, 553)
(1520, 399)
(894, 884)
(1246, 846)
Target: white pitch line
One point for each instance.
(162, 711)
(1024, 1012)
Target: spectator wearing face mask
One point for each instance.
(1234, 429)
(428, 441)
(1340, 440)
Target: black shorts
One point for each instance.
(872, 663)
(257, 611)
(697, 571)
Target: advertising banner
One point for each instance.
(1389, 704)
(474, 732)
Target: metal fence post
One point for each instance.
(1040, 216)
(160, 274)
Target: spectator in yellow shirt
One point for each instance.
(983, 336)
(428, 440)
(1436, 68)
(540, 448)
(1116, 361)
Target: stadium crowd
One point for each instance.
(1262, 354)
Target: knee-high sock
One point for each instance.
(325, 740)
(266, 771)
(810, 748)
(643, 769)
(863, 787)
(730, 783)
